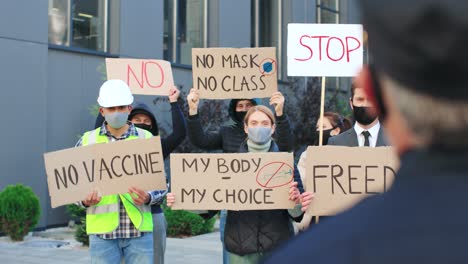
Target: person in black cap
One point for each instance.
(418, 78)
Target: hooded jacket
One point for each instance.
(231, 135)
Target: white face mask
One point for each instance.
(117, 119)
(259, 135)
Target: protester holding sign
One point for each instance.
(367, 131)
(418, 81)
(142, 117)
(230, 136)
(117, 221)
(251, 234)
(333, 124)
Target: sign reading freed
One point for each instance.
(149, 77)
(342, 176)
(108, 168)
(245, 181)
(324, 49)
(221, 73)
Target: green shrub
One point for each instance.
(19, 211)
(182, 223)
(78, 214)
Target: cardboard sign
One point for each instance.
(342, 176)
(108, 168)
(324, 49)
(222, 73)
(148, 77)
(241, 181)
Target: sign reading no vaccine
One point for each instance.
(107, 168)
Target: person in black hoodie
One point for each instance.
(142, 117)
(230, 136)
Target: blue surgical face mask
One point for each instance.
(259, 135)
(117, 119)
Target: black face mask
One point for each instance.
(143, 126)
(240, 116)
(326, 136)
(363, 115)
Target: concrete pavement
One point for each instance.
(41, 248)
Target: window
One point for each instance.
(328, 11)
(268, 28)
(185, 27)
(79, 24)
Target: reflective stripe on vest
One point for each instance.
(104, 216)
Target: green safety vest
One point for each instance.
(104, 216)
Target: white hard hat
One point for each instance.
(114, 93)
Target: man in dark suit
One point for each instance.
(367, 131)
(419, 82)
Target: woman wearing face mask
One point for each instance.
(333, 124)
(250, 235)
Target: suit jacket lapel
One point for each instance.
(381, 140)
(353, 141)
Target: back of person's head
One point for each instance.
(419, 58)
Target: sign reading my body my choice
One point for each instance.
(107, 168)
(241, 181)
(324, 49)
(223, 73)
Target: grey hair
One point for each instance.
(433, 121)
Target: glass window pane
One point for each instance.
(58, 22)
(169, 30)
(190, 28)
(88, 24)
(328, 17)
(332, 4)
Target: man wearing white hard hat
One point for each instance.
(119, 226)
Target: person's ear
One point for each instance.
(351, 103)
(335, 131)
(130, 108)
(101, 111)
(273, 127)
(246, 129)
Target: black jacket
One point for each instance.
(230, 136)
(255, 231)
(421, 219)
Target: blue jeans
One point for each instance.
(159, 237)
(222, 224)
(112, 251)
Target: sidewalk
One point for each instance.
(42, 248)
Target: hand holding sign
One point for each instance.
(173, 94)
(193, 99)
(294, 194)
(306, 199)
(139, 196)
(170, 199)
(92, 199)
(277, 99)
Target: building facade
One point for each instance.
(53, 55)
